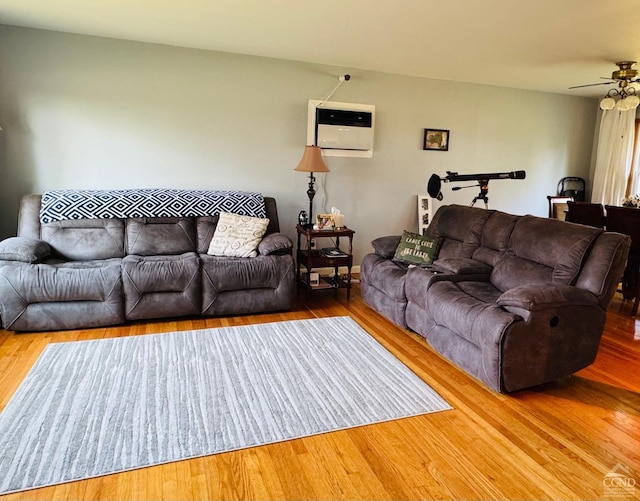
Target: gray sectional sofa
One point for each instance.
(515, 301)
(93, 272)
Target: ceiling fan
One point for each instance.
(624, 76)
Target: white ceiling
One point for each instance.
(545, 45)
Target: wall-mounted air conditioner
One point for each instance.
(341, 129)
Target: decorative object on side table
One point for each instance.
(311, 162)
(324, 222)
(338, 218)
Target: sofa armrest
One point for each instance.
(386, 246)
(542, 297)
(275, 244)
(559, 333)
(24, 249)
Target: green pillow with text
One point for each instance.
(416, 249)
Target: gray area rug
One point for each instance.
(90, 408)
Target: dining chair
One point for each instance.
(626, 220)
(586, 213)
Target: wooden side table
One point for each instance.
(311, 258)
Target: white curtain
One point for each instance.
(613, 157)
(634, 185)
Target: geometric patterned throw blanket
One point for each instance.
(59, 205)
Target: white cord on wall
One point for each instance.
(321, 176)
(341, 79)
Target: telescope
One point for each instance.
(435, 183)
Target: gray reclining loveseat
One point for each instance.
(90, 272)
(515, 301)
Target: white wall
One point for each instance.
(85, 112)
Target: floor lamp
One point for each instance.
(311, 162)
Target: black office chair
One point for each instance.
(586, 213)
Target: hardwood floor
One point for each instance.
(557, 441)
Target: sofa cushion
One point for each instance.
(157, 236)
(512, 271)
(28, 250)
(244, 285)
(229, 273)
(61, 296)
(495, 237)
(416, 249)
(77, 280)
(460, 229)
(161, 286)
(85, 239)
(543, 250)
(237, 235)
(470, 310)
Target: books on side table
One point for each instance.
(333, 252)
(318, 282)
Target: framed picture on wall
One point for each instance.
(436, 139)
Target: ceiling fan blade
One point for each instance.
(591, 85)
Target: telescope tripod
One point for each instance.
(484, 191)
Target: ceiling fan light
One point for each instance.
(632, 101)
(608, 103)
(625, 104)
